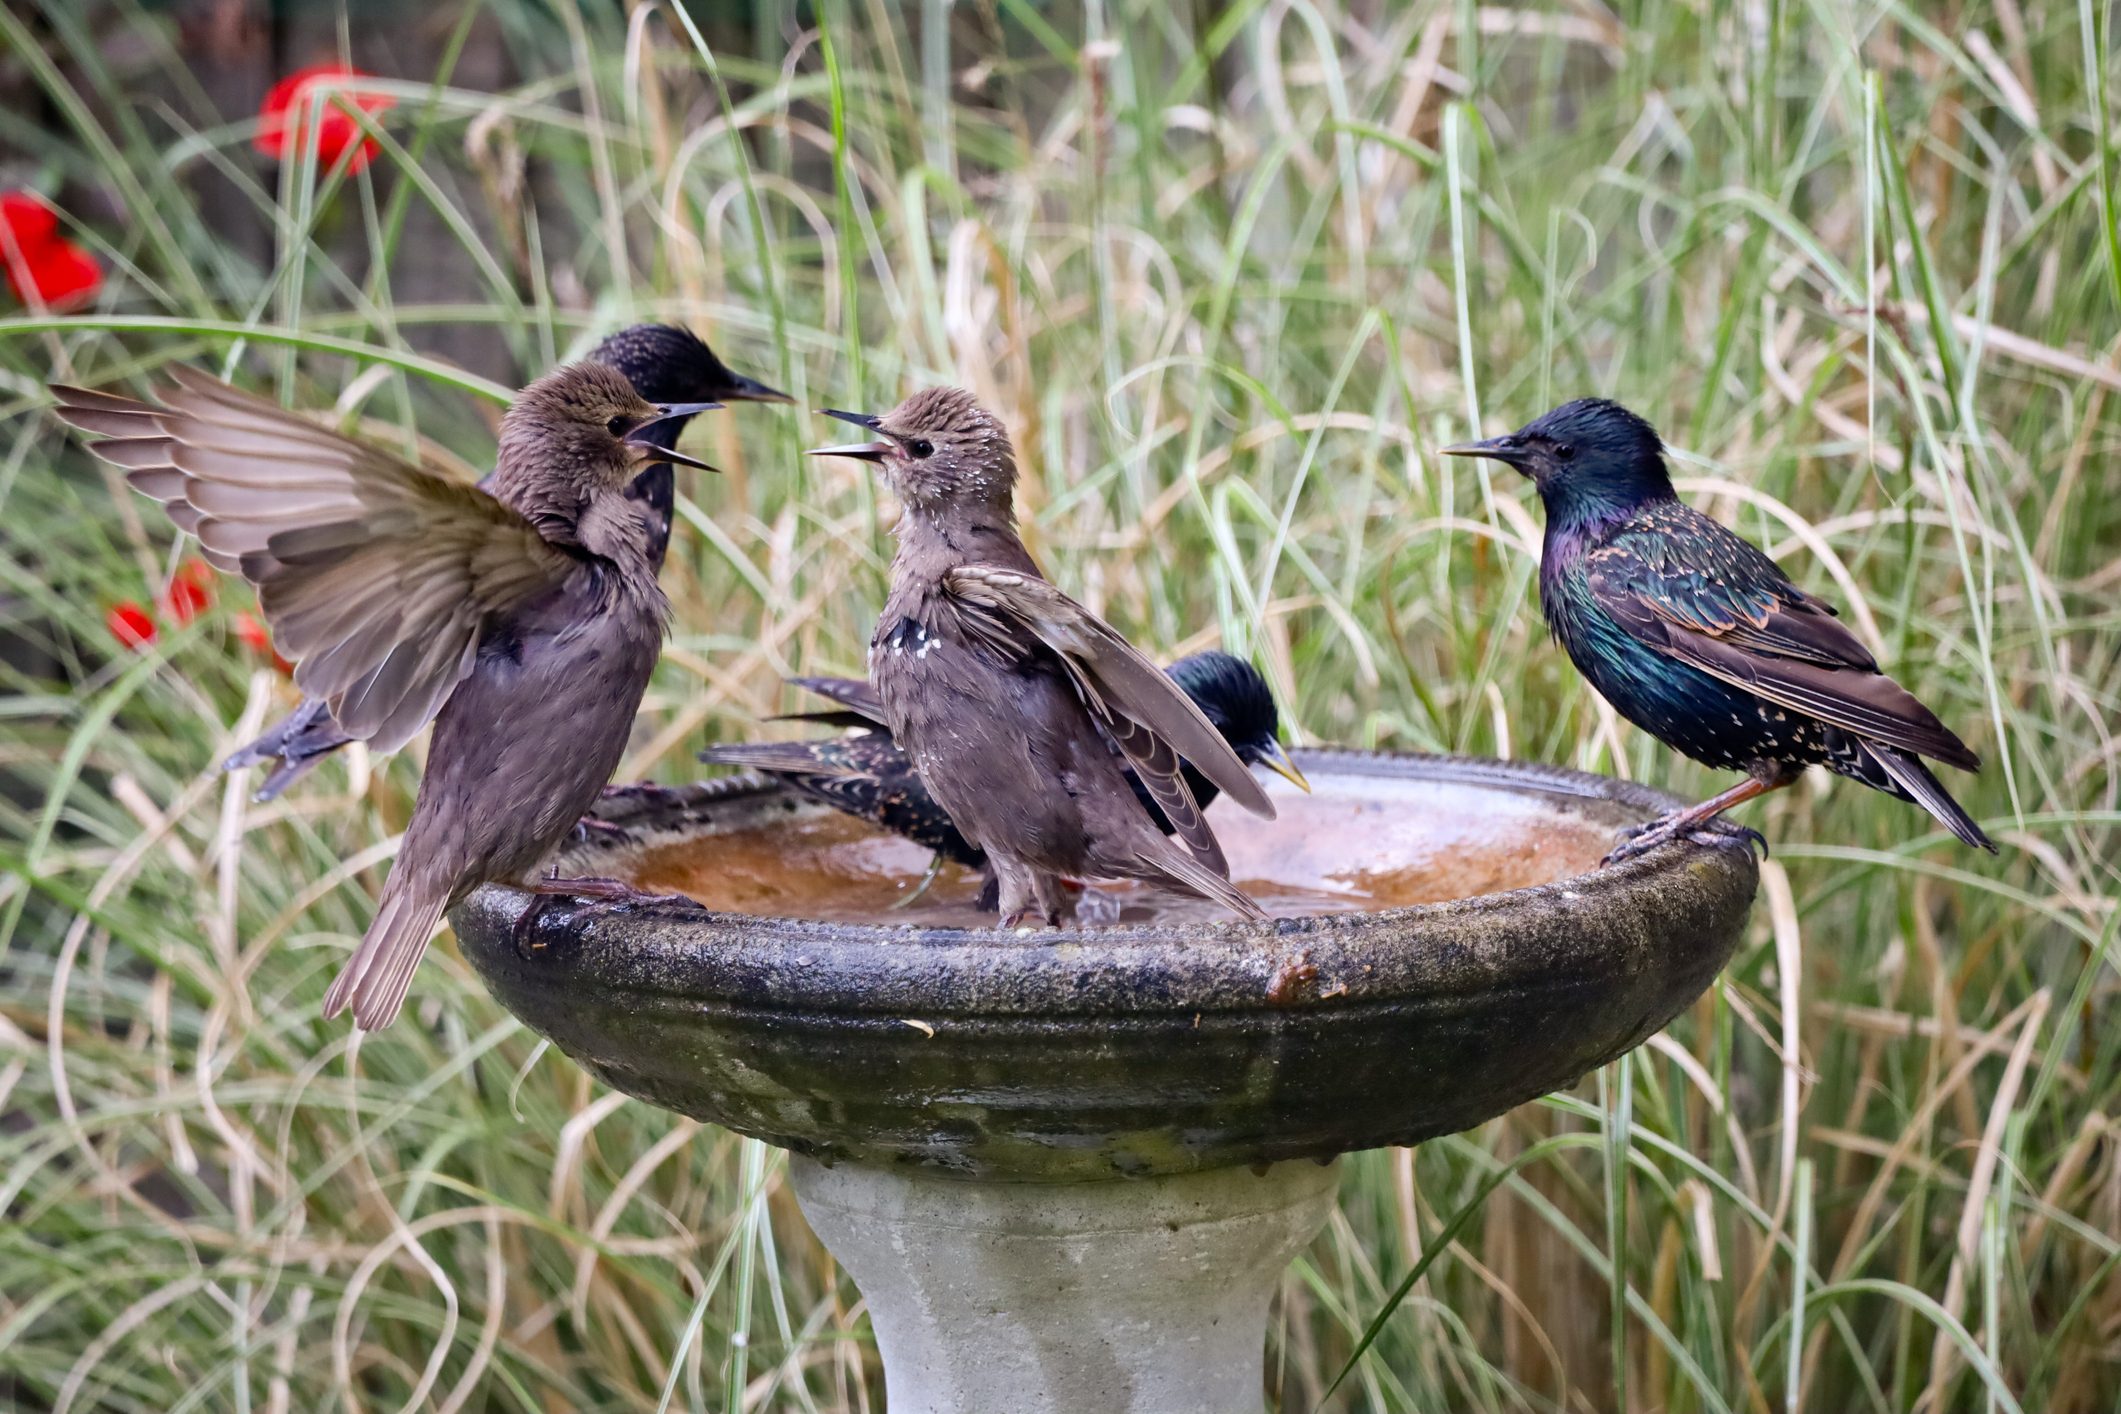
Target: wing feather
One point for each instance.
(1753, 629)
(378, 576)
(1152, 722)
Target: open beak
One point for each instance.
(1277, 760)
(749, 390)
(860, 451)
(1493, 449)
(647, 448)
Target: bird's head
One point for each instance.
(1592, 452)
(583, 424)
(1235, 699)
(667, 364)
(939, 448)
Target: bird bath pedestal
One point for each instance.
(1067, 1169)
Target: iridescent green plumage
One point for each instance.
(1698, 638)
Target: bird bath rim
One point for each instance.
(634, 817)
(1097, 1053)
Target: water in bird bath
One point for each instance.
(1358, 843)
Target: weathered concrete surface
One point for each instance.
(1139, 1051)
(1141, 1296)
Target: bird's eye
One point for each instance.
(1563, 451)
(921, 447)
(619, 425)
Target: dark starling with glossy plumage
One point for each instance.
(868, 776)
(524, 623)
(1699, 639)
(1009, 696)
(665, 364)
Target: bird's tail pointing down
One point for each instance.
(1175, 866)
(374, 983)
(1927, 791)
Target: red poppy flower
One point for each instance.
(286, 111)
(130, 624)
(191, 589)
(31, 224)
(62, 275)
(40, 264)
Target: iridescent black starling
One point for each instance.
(1699, 639)
(665, 364)
(525, 623)
(866, 775)
(1009, 696)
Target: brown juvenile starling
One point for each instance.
(525, 623)
(665, 364)
(1009, 696)
(1700, 639)
(866, 774)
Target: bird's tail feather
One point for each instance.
(1913, 777)
(1178, 866)
(775, 756)
(374, 983)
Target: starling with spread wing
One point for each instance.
(524, 623)
(665, 364)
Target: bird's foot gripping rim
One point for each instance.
(1710, 830)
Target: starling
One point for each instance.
(1008, 696)
(665, 364)
(1699, 639)
(866, 775)
(525, 623)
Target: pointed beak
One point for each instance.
(860, 451)
(1493, 449)
(740, 389)
(1277, 760)
(648, 448)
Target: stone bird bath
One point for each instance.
(1066, 1169)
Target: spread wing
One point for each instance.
(1699, 594)
(376, 576)
(1153, 723)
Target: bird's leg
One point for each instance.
(551, 887)
(1055, 903)
(590, 827)
(1704, 822)
(1025, 894)
(584, 886)
(935, 867)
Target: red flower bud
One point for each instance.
(191, 589)
(286, 112)
(258, 639)
(252, 632)
(130, 624)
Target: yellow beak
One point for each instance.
(1277, 760)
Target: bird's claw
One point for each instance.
(1637, 840)
(1724, 832)
(589, 893)
(590, 827)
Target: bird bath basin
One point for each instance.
(1066, 1168)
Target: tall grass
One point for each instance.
(1231, 273)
